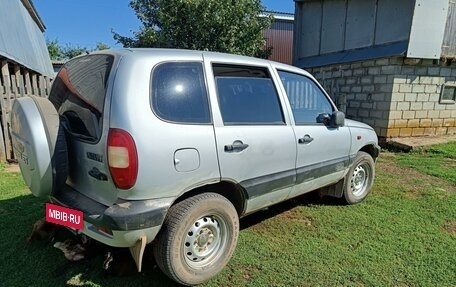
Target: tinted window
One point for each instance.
(78, 93)
(306, 98)
(247, 96)
(179, 93)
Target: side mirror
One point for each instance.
(337, 119)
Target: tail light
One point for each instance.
(122, 158)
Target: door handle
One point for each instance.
(237, 146)
(306, 139)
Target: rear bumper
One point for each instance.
(128, 220)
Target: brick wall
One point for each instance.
(398, 97)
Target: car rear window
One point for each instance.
(78, 93)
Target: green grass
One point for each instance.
(438, 160)
(404, 234)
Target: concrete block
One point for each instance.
(352, 112)
(413, 79)
(354, 104)
(368, 63)
(421, 71)
(440, 131)
(381, 123)
(389, 70)
(392, 133)
(367, 80)
(416, 106)
(421, 114)
(445, 114)
(395, 115)
(386, 88)
(405, 132)
(451, 131)
(434, 97)
(403, 106)
(400, 123)
(453, 72)
(345, 89)
(410, 97)
(416, 132)
(377, 115)
(428, 106)
(425, 123)
(361, 97)
(383, 106)
(421, 97)
(416, 88)
(438, 80)
(363, 113)
(347, 73)
(449, 122)
(433, 71)
(380, 80)
(445, 72)
(405, 88)
(356, 89)
(368, 88)
(367, 106)
(351, 81)
(433, 114)
(373, 71)
(408, 114)
(426, 80)
(437, 123)
(407, 70)
(399, 79)
(429, 131)
(413, 123)
(430, 89)
(378, 97)
(397, 97)
(359, 72)
(382, 62)
(439, 107)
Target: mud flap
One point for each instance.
(137, 251)
(335, 190)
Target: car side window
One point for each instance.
(179, 93)
(306, 99)
(247, 96)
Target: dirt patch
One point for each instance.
(412, 182)
(295, 215)
(450, 227)
(12, 168)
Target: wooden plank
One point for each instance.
(48, 85)
(34, 85)
(5, 100)
(19, 81)
(2, 145)
(41, 86)
(14, 88)
(28, 83)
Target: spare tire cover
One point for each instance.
(39, 144)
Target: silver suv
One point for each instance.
(172, 147)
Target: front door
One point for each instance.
(255, 145)
(322, 151)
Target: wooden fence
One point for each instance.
(16, 81)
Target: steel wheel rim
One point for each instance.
(360, 179)
(204, 240)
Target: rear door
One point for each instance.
(255, 145)
(322, 151)
(79, 93)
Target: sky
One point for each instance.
(86, 22)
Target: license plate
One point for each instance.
(64, 216)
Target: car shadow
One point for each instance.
(308, 199)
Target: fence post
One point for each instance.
(5, 105)
(28, 84)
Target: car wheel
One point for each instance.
(359, 179)
(197, 239)
(39, 144)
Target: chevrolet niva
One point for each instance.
(172, 147)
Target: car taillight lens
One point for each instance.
(122, 158)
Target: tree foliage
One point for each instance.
(59, 52)
(232, 26)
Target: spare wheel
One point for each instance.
(39, 144)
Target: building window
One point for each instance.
(448, 94)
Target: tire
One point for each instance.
(197, 239)
(359, 179)
(39, 145)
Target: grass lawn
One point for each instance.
(404, 234)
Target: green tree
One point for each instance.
(59, 52)
(231, 26)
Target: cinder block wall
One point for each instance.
(398, 97)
